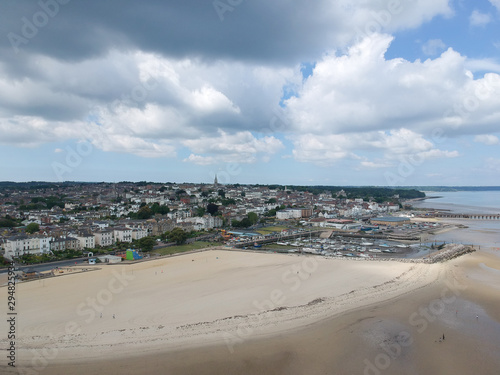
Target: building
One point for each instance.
(122, 234)
(390, 221)
(64, 243)
(104, 238)
(289, 213)
(17, 246)
(138, 233)
(86, 241)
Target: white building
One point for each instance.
(87, 241)
(104, 238)
(122, 234)
(290, 213)
(17, 246)
(138, 233)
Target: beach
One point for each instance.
(242, 312)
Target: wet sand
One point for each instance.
(344, 318)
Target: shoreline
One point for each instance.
(348, 340)
(271, 315)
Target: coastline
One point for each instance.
(345, 317)
(349, 340)
(280, 302)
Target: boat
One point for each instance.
(282, 243)
(366, 243)
(309, 250)
(375, 250)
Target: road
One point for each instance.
(48, 266)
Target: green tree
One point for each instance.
(212, 209)
(144, 213)
(32, 228)
(178, 235)
(253, 217)
(146, 243)
(200, 211)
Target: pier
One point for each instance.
(272, 239)
(449, 215)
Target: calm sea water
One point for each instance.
(463, 201)
(479, 232)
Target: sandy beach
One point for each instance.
(246, 313)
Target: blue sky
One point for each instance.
(327, 93)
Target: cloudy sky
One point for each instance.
(324, 92)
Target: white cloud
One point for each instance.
(487, 139)
(328, 149)
(479, 19)
(241, 147)
(488, 65)
(363, 91)
(208, 99)
(496, 4)
(374, 165)
(200, 160)
(433, 47)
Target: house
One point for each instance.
(64, 243)
(86, 241)
(17, 246)
(138, 233)
(104, 238)
(122, 234)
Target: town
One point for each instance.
(48, 221)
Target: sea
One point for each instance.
(463, 201)
(478, 232)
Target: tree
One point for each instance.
(253, 217)
(212, 209)
(200, 211)
(7, 223)
(144, 213)
(146, 243)
(178, 236)
(32, 228)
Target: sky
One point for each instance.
(324, 92)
